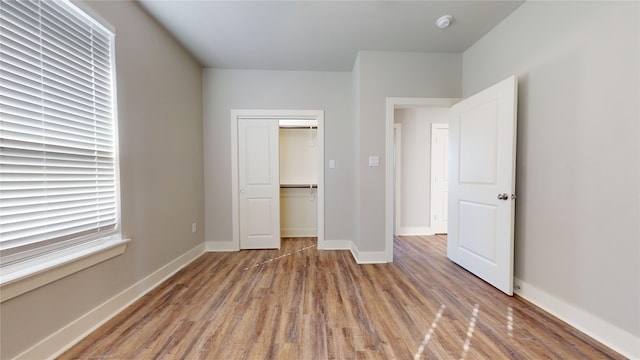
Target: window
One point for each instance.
(58, 163)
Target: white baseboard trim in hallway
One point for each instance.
(415, 231)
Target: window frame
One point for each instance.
(33, 266)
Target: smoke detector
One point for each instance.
(443, 22)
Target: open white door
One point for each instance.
(259, 183)
(482, 147)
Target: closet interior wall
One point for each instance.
(298, 181)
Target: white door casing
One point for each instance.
(397, 178)
(482, 146)
(439, 178)
(259, 184)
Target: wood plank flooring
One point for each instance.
(301, 303)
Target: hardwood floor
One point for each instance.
(301, 303)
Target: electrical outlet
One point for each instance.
(194, 227)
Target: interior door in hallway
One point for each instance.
(439, 178)
(482, 146)
(259, 183)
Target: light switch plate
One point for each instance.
(332, 164)
(374, 161)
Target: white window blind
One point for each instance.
(58, 181)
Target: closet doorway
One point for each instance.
(273, 185)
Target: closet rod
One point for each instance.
(298, 186)
(298, 127)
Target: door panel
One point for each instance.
(478, 144)
(478, 237)
(259, 213)
(482, 137)
(259, 184)
(258, 162)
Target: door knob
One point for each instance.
(503, 196)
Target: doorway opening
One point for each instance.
(414, 160)
(481, 187)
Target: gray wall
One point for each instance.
(577, 219)
(381, 75)
(578, 155)
(160, 131)
(289, 90)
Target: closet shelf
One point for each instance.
(293, 127)
(298, 186)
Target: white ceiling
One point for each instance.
(320, 35)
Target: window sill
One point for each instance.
(35, 273)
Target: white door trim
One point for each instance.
(398, 177)
(392, 104)
(317, 115)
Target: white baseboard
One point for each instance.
(415, 231)
(368, 257)
(63, 339)
(610, 335)
(227, 246)
(221, 246)
(335, 245)
(299, 232)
